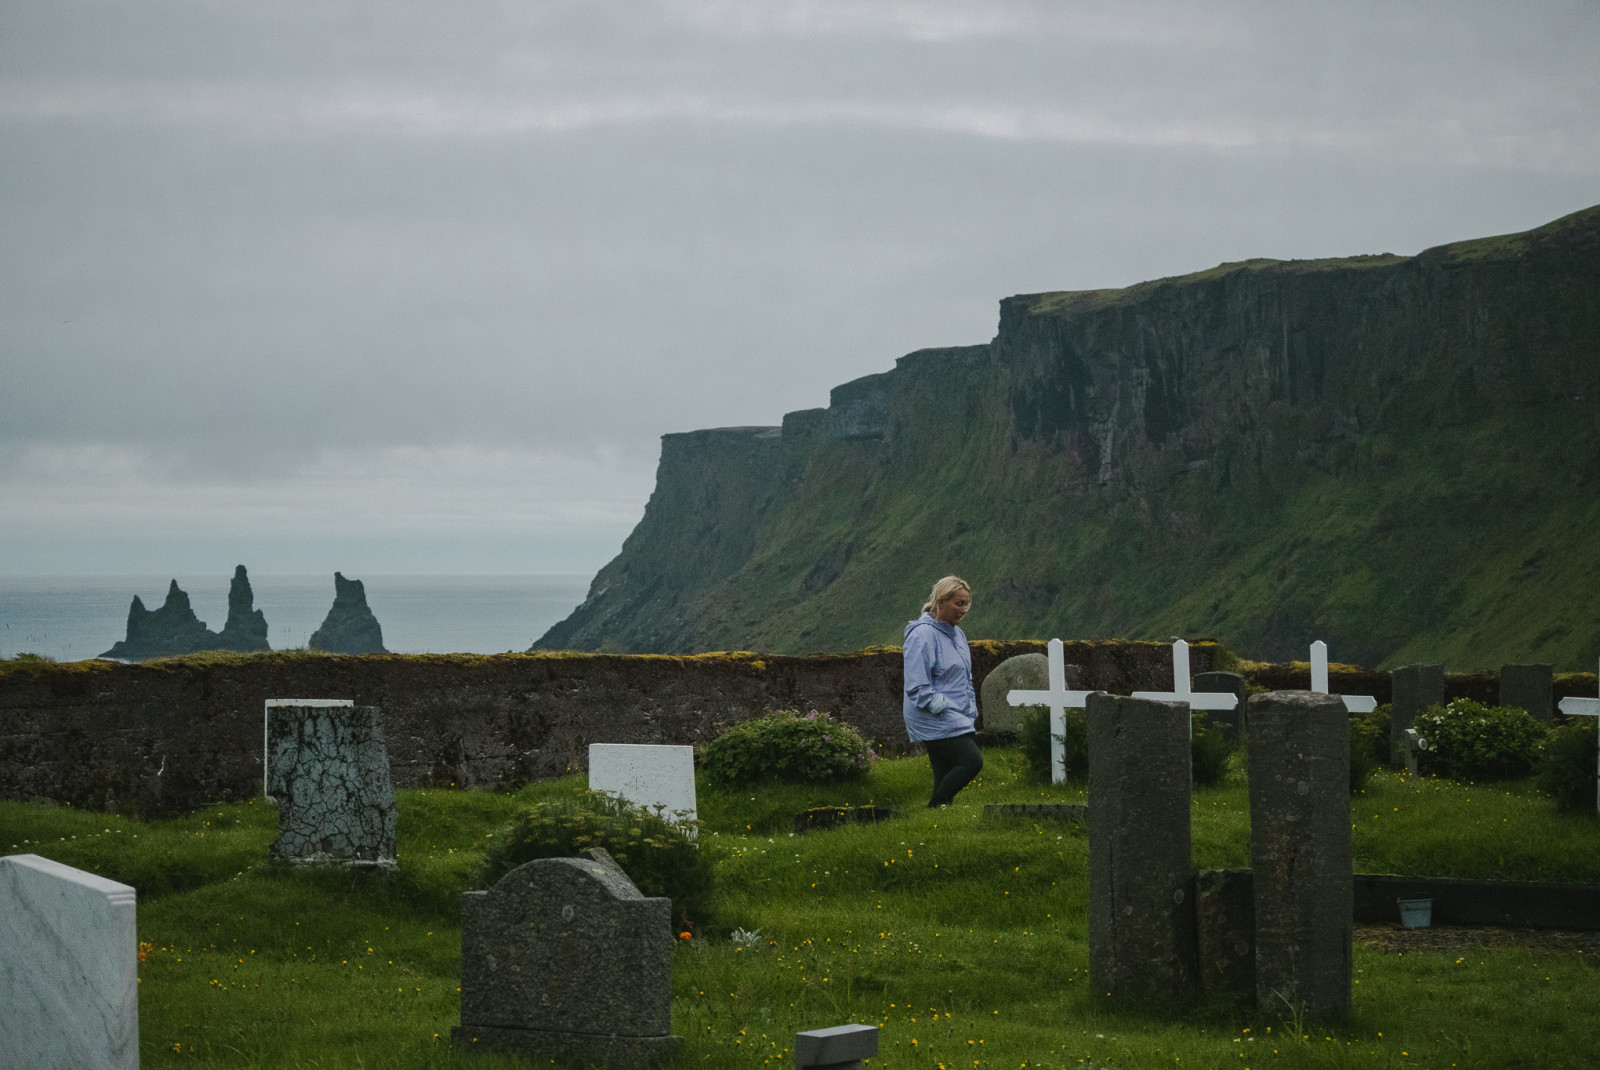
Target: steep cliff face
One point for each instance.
(1399, 455)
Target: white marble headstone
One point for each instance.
(646, 775)
(69, 968)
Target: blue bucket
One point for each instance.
(1416, 913)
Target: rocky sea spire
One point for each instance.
(349, 627)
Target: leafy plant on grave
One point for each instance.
(1369, 738)
(1033, 740)
(661, 857)
(785, 746)
(1567, 767)
(1467, 740)
(1209, 748)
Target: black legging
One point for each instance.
(955, 762)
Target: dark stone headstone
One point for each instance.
(1416, 687)
(1529, 687)
(1141, 917)
(563, 959)
(328, 767)
(1225, 930)
(841, 1047)
(1300, 852)
(1225, 683)
(1024, 672)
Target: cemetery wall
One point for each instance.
(171, 736)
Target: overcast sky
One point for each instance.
(416, 287)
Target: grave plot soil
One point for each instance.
(1453, 938)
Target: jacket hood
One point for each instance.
(925, 619)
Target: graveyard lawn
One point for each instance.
(963, 939)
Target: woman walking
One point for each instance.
(940, 706)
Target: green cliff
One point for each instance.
(1398, 455)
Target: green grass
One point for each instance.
(965, 940)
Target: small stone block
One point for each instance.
(837, 1046)
(69, 995)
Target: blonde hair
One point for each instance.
(945, 590)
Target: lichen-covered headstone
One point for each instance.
(563, 959)
(1025, 672)
(329, 770)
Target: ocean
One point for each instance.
(74, 617)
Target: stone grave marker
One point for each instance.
(1025, 672)
(1058, 698)
(840, 1047)
(563, 959)
(266, 718)
(648, 776)
(1300, 852)
(1529, 687)
(69, 985)
(1586, 707)
(1183, 688)
(1141, 917)
(330, 775)
(1416, 687)
(1319, 681)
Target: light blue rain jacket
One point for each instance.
(939, 701)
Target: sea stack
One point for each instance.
(246, 629)
(349, 627)
(172, 629)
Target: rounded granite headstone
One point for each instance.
(1025, 672)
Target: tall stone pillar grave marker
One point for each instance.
(1300, 852)
(1416, 687)
(1141, 917)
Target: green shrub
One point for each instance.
(661, 857)
(1369, 746)
(1567, 768)
(1467, 740)
(1033, 739)
(1209, 748)
(785, 746)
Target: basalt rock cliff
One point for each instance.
(1398, 455)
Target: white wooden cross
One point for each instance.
(1183, 689)
(1319, 681)
(1058, 698)
(1585, 707)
